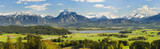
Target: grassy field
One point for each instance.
(94, 36)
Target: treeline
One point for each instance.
(138, 38)
(101, 44)
(34, 30)
(115, 35)
(145, 45)
(126, 31)
(106, 43)
(35, 42)
(32, 43)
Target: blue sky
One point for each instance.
(82, 7)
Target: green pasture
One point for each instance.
(94, 36)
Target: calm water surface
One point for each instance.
(96, 31)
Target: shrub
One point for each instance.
(138, 38)
(126, 31)
(140, 45)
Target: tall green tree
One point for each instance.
(9, 44)
(140, 45)
(1, 45)
(134, 47)
(38, 42)
(112, 47)
(155, 44)
(121, 46)
(19, 43)
(31, 42)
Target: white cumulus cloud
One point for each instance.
(106, 7)
(146, 10)
(38, 7)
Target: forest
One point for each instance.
(34, 30)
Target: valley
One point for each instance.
(72, 31)
(145, 35)
(79, 24)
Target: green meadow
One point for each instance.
(150, 34)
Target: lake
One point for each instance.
(96, 31)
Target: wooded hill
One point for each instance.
(34, 30)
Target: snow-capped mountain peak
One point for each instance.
(66, 11)
(140, 15)
(102, 16)
(137, 16)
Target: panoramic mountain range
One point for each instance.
(72, 19)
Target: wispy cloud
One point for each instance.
(79, 0)
(1, 6)
(60, 4)
(99, 5)
(13, 12)
(32, 0)
(25, 1)
(128, 6)
(99, 14)
(148, 0)
(115, 11)
(89, 0)
(154, 8)
(18, 2)
(95, 0)
(38, 7)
